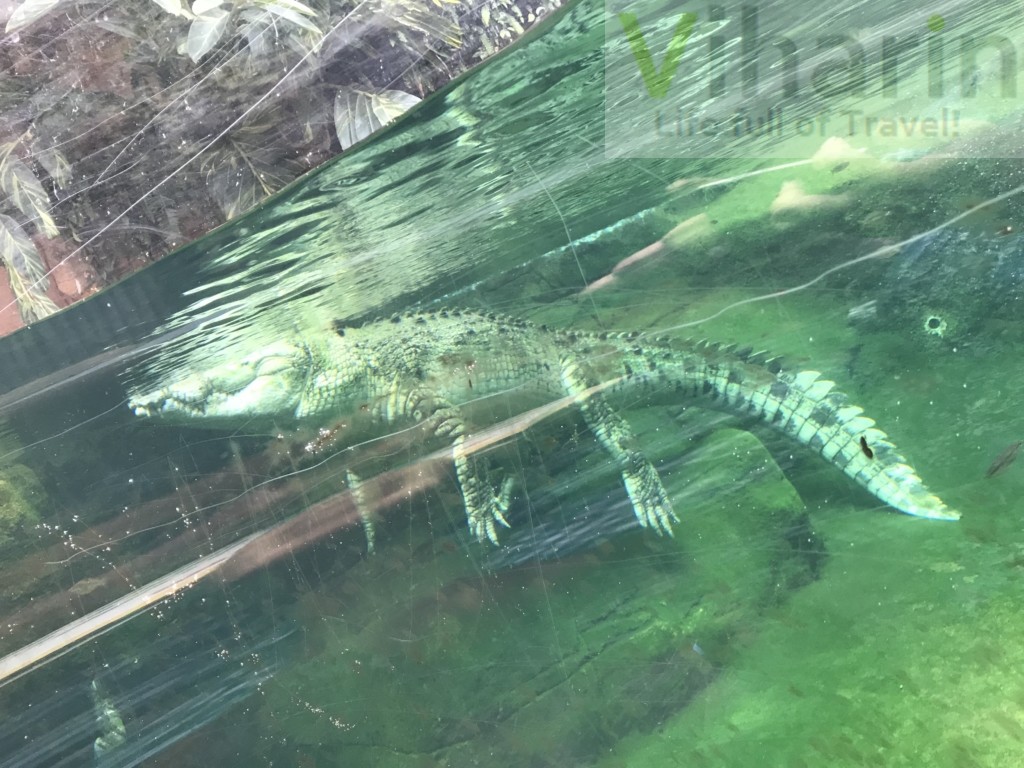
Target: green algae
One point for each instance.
(899, 655)
(21, 499)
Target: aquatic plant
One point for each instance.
(26, 272)
(20, 496)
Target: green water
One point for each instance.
(792, 621)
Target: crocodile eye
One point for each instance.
(935, 325)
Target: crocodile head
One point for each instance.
(267, 383)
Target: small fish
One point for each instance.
(1004, 459)
(841, 167)
(866, 448)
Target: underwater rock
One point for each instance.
(793, 197)
(945, 288)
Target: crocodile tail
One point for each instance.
(802, 405)
(806, 407)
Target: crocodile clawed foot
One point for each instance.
(650, 500)
(486, 508)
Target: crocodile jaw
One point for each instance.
(267, 383)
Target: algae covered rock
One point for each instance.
(949, 288)
(21, 496)
(434, 660)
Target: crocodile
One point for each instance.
(439, 368)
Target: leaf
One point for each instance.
(358, 114)
(289, 15)
(426, 22)
(26, 271)
(205, 31)
(33, 303)
(55, 164)
(203, 7)
(174, 7)
(257, 32)
(24, 189)
(296, 6)
(234, 191)
(19, 253)
(28, 12)
(390, 105)
(353, 117)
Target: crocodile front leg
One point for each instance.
(643, 485)
(486, 501)
(485, 506)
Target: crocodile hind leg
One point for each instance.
(643, 485)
